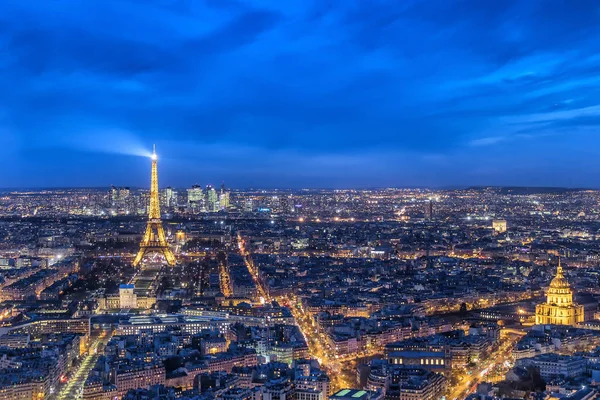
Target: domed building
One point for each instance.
(559, 308)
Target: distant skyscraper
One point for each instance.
(170, 197)
(119, 195)
(429, 209)
(223, 198)
(248, 205)
(212, 200)
(124, 193)
(195, 196)
(114, 194)
(285, 204)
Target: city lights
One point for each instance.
(358, 200)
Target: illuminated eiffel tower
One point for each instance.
(154, 240)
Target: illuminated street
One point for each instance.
(74, 386)
(497, 360)
(319, 347)
(225, 279)
(263, 291)
(317, 344)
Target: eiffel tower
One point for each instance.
(154, 240)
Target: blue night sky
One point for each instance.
(293, 93)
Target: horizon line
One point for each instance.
(447, 187)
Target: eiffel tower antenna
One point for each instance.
(154, 240)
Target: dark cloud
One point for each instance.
(400, 93)
(242, 30)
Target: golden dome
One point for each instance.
(559, 281)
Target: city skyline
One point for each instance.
(299, 200)
(300, 94)
(465, 292)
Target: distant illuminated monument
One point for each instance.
(559, 308)
(499, 225)
(154, 240)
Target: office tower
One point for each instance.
(154, 240)
(248, 205)
(223, 198)
(170, 197)
(429, 209)
(124, 193)
(195, 197)
(212, 201)
(114, 194)
(284, 204)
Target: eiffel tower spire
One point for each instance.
(154, 240)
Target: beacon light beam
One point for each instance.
(110, 141)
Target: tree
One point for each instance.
(173, 362)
